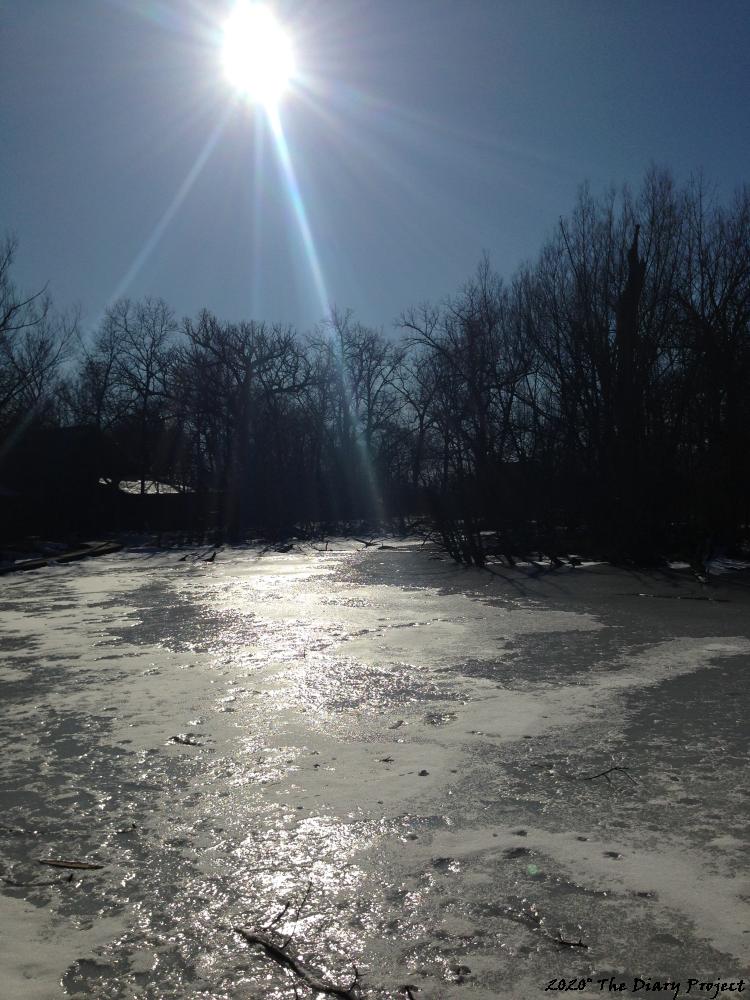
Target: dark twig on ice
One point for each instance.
(606, 774)
(535, 922)
(354, 985)
(564, 943)
(300, 907)
(363, 541)
(288, 961)
(282, 913)
(279, 916)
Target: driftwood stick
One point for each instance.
(82, 865)
(288, 961)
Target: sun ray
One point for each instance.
(259, 147)
(161, 226)
(298, 207)
(313, 259)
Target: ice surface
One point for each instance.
(392, 758)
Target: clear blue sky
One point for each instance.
(428, 131)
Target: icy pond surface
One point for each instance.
(390, 766)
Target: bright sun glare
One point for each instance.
(257, 53)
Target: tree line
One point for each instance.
(597, 398)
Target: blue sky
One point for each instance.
(422, 133)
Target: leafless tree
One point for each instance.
(34, 342)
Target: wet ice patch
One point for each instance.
(715, 902)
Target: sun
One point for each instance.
(257, 53)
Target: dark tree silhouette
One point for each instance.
(597, 399)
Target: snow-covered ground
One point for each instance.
(383, 761)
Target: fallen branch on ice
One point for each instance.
(288, 961)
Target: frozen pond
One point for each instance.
(384, 763)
